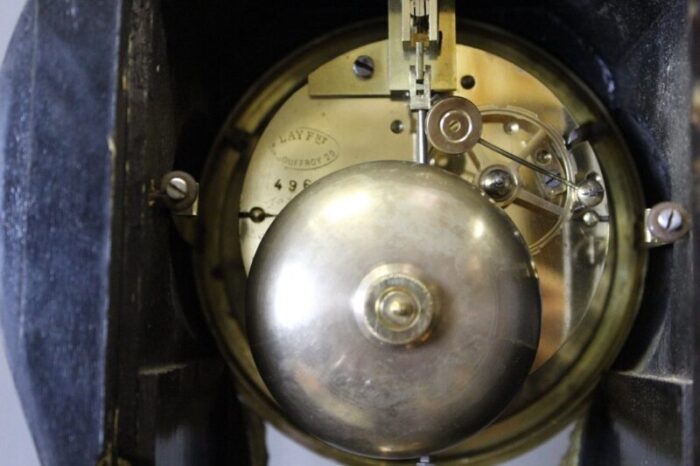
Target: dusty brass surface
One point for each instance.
(335, 77)
(310, 137)
(583, 325)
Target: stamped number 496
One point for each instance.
(291, 185)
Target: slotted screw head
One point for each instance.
(176, 189)
(363, 67)
(668, 222)
(670, 219)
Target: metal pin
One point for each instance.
(524, 162)
(421, 139)
(256, 214)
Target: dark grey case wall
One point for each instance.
(98, 98)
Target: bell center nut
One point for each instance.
(394, 305)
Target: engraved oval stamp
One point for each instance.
(304, 149)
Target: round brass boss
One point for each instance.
(393, 306)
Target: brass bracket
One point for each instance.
(179, 192)
(440, 53)
(392, 62)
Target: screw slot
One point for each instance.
(670, 220)
(667, 222)
(454, 125)
(363, 67)
(176, 189)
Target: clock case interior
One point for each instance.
(182, 68)
(598, 74)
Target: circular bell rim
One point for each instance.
(509, 338)
(505, 438)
